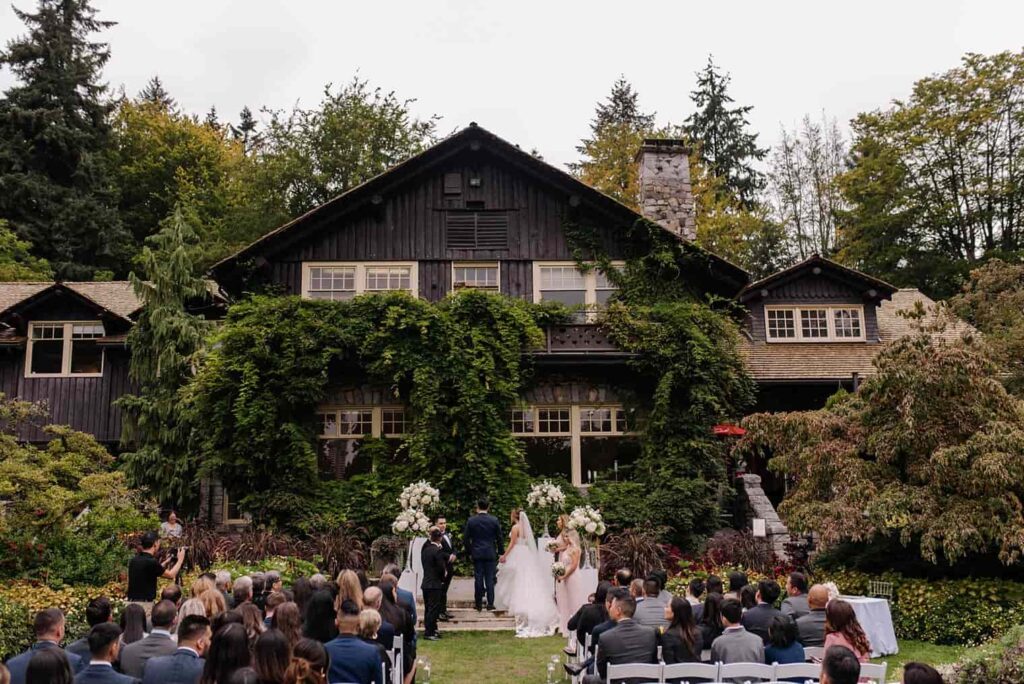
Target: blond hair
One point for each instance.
(349, 589)
(369, 623)
(200, 586)
(213, 602)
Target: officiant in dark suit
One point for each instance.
(435, 567)
(483, 539)
(449, 551)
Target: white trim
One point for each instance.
(225, 502)
(68, 342)
(360, 274)
(830, 310)
(376, 420)
(589, 282)
(478, 264)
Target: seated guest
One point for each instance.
(321, 618)
(369, 622)
(636, 590)
(229, 617)
(288, 621)
(590, 615)
(840, 666)
(252, 620)
(104, 646)
(172, 593)
(351, 660)
(737, 580)
(48, 666)
(259, 596)
(158, 643)
(843, 629)
(811, 627)
(710, 624)
(629, 642)
(301, 591)
(185, 665)
(401, 618)
(662, 577)
(405, 600)
(273, 601)
(202, 584)
(694, 591)
(273, 582)
(133, 624)
(651, 611)
(48, 627)
(795, 604)
(271, 656)
(613, 593)
(714, 585)
(920, 673)
(623, 577)
(191, 607)
(373, 597)
(97, 612)
(736, 645)
(783, 648)
(228, 652)
(748, 597)
(213, 603)
(758, 619)
(681, 641)
(222, 583)
(309, 663)
(241, 591)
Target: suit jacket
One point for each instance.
(482, 537)
(812, 628)
(134, 655)
(184, 666)
(407, 602)
(435, 566)
(595, 636)
(795, 606)
(353, 661)
(629, 642)
(589, 616)
(386, 634)
(758, 619)
(737, 646)
(651, 612)
(80, 647)
(19, 663)
(449, 550)
(98, 673)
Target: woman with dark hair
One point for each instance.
(400, 620)
(252, 620)
(590, 615)
(271, 657)
(920, 673)
(301, 591)
(843, 629)
(288, 620)
(783, 645)
(321, 618)
(49, 666)
(748, 597)
(133, 624)
(711, 619)
(681, 642)
(228, 651)
(310, 663)
(230, 617)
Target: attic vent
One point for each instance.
(476, 229)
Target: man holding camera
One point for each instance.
(144, 570)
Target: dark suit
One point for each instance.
(629, 642)
(19, 663)
(80, 647)
(353, 661)
(407, 602)
(134, 656)
(435, 567)
(183, 667)
(386, 634)
(449, 550)
(483, 539)
(812, 628)
(758, 619)
(589, 616)
(99, 673)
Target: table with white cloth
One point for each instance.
(876, 620)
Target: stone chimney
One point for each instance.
(666, 196)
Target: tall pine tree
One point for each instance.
(726, 147)
(154, 93)
(54, 186)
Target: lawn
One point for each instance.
(500, 658)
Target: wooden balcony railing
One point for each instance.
(578, 339)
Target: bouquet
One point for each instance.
(587, 521)
(552, 546)
(546, 495)
(557, 569)
(411, 523)
(419, 496)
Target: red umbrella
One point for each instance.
(727, 430)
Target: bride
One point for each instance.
(521, 571)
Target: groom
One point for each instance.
(483, 539)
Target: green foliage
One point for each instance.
(16, 260)
(289, 567)
(15, 631)
(1000, 661)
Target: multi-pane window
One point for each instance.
(332, 282)
(814, 323)
(355, 422)
(567, 284)
(65, 348)
(341, 281)
(476, 276)
(392, 422)
(388, 278)
(343, 430)
(596, 419)
(524, 421)
(553, 420)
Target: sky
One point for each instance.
(532, 71)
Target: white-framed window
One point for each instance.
(562, 281)
(231, 515)
(64, 349)
(335, 280)
(580, 442)
(342, 430)
(814, 323)
(476, 275)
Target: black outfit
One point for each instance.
(758, 619)
(449, 551)
(385, 659)
(673, 650)
(483, 538)
(435, 567)
(143, 572)
(708, 633)
(589, 616)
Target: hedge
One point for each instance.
(998, 662)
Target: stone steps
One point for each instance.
(468, 619)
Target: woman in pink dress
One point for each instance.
(843, 629)
(568, 587)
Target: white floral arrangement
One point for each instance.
(552, 546)
(587, 521)
(419, 496)
(411, 522)
(557, 569)
(546, 495)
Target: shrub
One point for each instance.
(997, 662)
(15, 635)
(742, 548)
(636, 549)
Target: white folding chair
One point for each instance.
(397, 675)
(752, 671)
(705, 655)
(873, 671)
(648, 673)
(812, 671)
(814, 652)
(685, 671)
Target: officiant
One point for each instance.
(448, 549)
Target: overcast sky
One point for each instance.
(532, 71)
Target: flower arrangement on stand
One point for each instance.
(419, 496)
(546, 498)
(411, 523)
(589, 524)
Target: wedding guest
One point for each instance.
(274, 601)
(351, 660)
(920, 673)
(748, 597)
(400, 620)
(259, 593)
(228, 617)
(759, 618)
(613, 593)
(369, 622)
(681, 642)
(318, 581)
(736, 644)
(48, 627)
(320, 617)
(795, 604)
(843, 629)
(271, 656)
(48, 666)
(301, 591)
(623, 577)
(373, 597)
(104, 648)
(213, 603)
(185, 665)
(133, 624)
(590, 615)
(714, 585)
(172, 593)
(228, 652)
(309, 663)
(840, 666)
(191, 607)
(201, 585)
(783, 647)
(711, 619)
(144, 570)
(349, 589)
(242, 590)
(694, 591)
(171, 527)
(273, 583)
(737, 580)
(252, 620)
(159, 642)
(222, 583)
(97, 612)
(406, 600)
(628, 642)
(812, 626)
(651, 611)
(288, 621)
(636, 590)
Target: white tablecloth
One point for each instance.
(876, 620)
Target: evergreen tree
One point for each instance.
(16, 260)
(246, 129)
(154, 93)
(212, 120)
(54, 186)
(720, 131)
(163, 343)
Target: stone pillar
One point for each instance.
(759, 506)
(666, 195)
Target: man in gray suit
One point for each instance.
(812, 625)
(651, 611)
(795, 603)
(736, 645)
(628, 642)
(158, 643)
(185, 666)
(758, 619)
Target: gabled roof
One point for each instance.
(114, 297)
(471, 137)
(824, 266)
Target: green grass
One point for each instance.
(500, 658)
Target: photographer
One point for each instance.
(144, 570)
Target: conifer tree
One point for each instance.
(54, 186)
(726, 147)
(246, 129)
(154, 93)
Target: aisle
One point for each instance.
(492, 657)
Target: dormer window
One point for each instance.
(64, 349)
(814, 323)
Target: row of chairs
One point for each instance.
(720, 672)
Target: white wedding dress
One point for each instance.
(523, 571)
